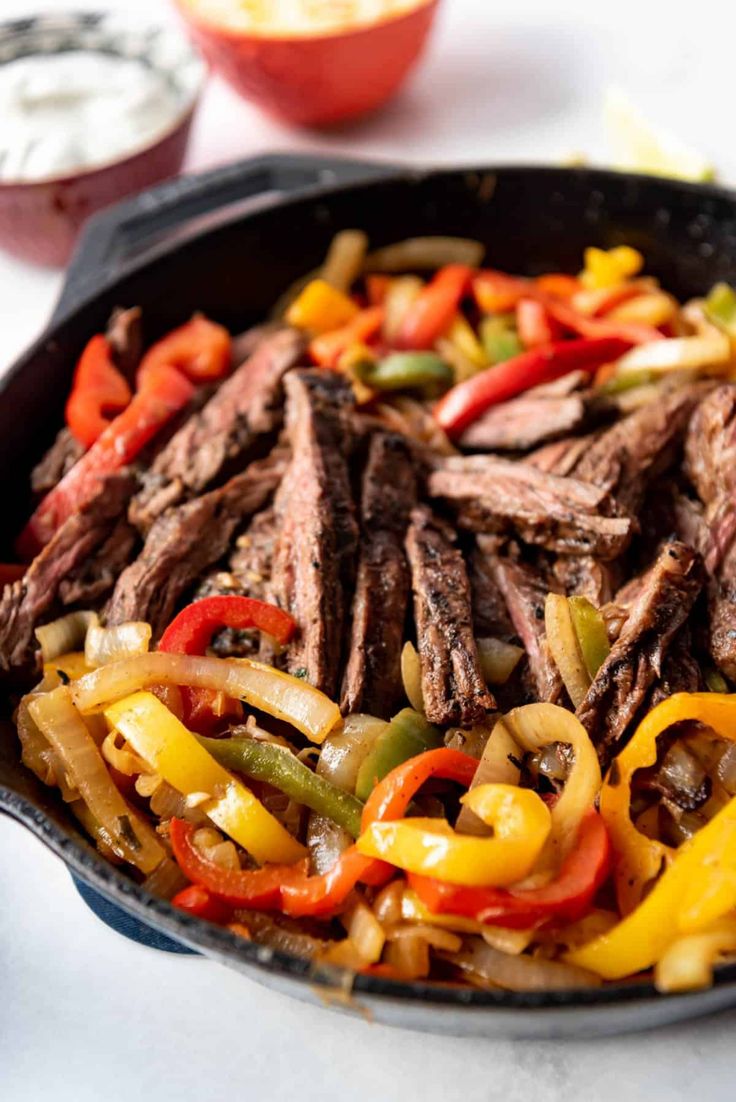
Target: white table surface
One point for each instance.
(89, 1016)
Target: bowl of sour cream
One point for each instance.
(93, 107)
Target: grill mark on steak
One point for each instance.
(372, 681)
(635, 662)
(184, 541)
(72, 549)
(453, 685)
(563, 514)
(313, 566)
(60, 458)
(220, 438)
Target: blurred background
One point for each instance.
(499, 82)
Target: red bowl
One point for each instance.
(41, 219)
(315, 79)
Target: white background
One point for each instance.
(86, 1015)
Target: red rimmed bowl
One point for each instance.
(40, 219)
(309, 76)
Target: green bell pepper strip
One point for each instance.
(277, 766)
(591, 633)
(499, 338)
(627, 380)
(405, 371)
(407, 735)
(720, 307)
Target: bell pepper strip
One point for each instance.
(462, 335)
(376, 288)
(407, 735)
(534, 324)
(279, 694)
(500, 339)
(98, 389)
(558, 284)
(149, 410)
(570, 319)
(468, 400)
(720, 308)
(610, 267)
(406, 371)
(163, 741)
(498, 293)
(201, 349)
(327, 348)
(590, 631)
(521, 824)
(277, 766)
(198, 901)
(320, 307)
(567, 897)
(697, 889)
(640, 859)
(435, 307)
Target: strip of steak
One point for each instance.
(636, 659)
(453, 685)
(96, 577)
(562, 456)
(525, 591)
(60, 458)
(26, 603)
(563, 514)
(637, 449)
(220, 438)
(185, 541)
(313, 566)
(586, 576)
(125, 334)
(372, 681)
(680, 670)
(542, 414)
(490, 614)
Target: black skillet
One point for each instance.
(228, 243)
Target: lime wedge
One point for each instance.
(638, 147)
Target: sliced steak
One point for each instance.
(490, 614)
(185, 541)
(640, 447)
(372, 681)
(636, 659)
(125, 334)
(96, 577)
(60, 458)
(314, 561)
(453, 685)
(562, 456)
(220, 438)
(542, 414)
(525, 591)
(710, 447)
(27, 603)
(563, 514)
(585, 576)
(680, 670)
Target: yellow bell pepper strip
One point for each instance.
(125, 831)
(590, 630)
(407, 735)
(272, 691)
(521, 824)
(171, 750)
(462, 335)
(640, 859)
(277, 766)
(320, 308)
(608, 268)
(688, 963)
(698, 888)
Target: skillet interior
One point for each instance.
(531, 220)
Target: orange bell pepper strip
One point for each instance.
(200, 349)
(558, 284)
(327, 348)
(376, 288)
(499, 293)
(98, 389)
(435, 307)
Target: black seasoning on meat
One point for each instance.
(562, 514)
(242, 417)
(72, 552)
(664, 602)
(60, 458)
(372, 681)
(314, 561)
(185, 541)
(453, 686)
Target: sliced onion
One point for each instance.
(471, 741)
(326, 842)
(727, 770)
(564, 648)
(166, 880)
(688, 963)
(425, 254)
(120, 758)
(409, 956)
(520, 973)
(280, 695)
(512, 942)
(365, 932)
(678, 353)
(64, 635)
(389, 903)
(499, 764)
(433, 935)
(498, 659)
(411, 677)
(400, 297)
(344, 261)
(344, 751)
(63, 727)
(103, 645)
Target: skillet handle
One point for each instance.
(131, 231)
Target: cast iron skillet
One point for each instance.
(228, 242)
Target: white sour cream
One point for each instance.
(66, 112)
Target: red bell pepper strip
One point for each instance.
(197, 901)
(288, 887)
(150, 409)
(469, 399)
(558, 284)
(200, 349)
(600, 328)
(98, 389)
(435, 307)
(499, 293)
(327, 348)
(534, 324)
(567, 897)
